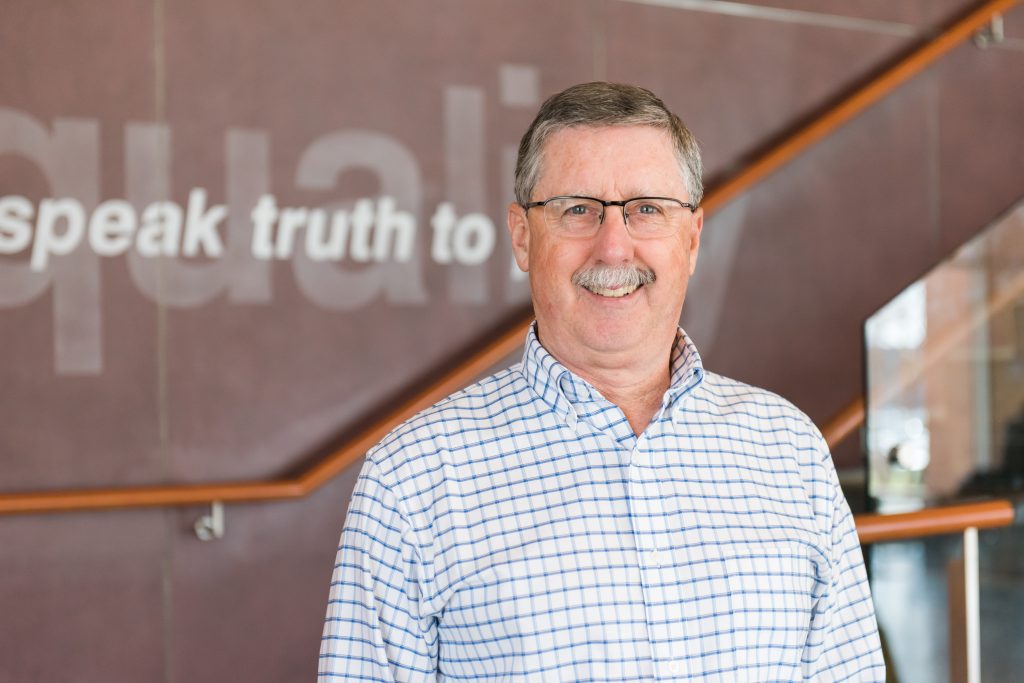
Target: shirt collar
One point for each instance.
(564, 391)
(686, 368)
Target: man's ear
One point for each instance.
(696, 225)
(519, 229)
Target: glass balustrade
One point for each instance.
(944, 422)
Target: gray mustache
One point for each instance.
(610, 277)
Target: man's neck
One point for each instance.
(635, 384)
(639, 401)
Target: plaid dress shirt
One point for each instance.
(519, 531)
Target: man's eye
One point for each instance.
(578, 210)
(648, 209)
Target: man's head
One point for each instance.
(608, 281)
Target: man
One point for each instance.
(606, 509)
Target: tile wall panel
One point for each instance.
(981, 141)
(79, 394)
(83, 597)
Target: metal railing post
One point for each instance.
(972, 606)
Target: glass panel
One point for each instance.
(945, 421)
(945, 378)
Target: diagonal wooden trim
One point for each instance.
(499, 348)
(844, 423)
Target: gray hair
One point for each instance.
(605, 104)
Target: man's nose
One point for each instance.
(613, 242)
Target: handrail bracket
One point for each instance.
(210, 527)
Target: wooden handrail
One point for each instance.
(493, 351)
(948, 519)
(844, 423)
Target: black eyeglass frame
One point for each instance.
(605, 203)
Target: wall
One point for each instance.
(216, 365)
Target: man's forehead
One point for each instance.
(640, 158)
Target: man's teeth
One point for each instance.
(615, 293)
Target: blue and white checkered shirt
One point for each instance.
(519, 530)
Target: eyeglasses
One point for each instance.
(645, 217)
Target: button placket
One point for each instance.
(653, 547)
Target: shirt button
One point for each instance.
(660, 558)
(675, 668)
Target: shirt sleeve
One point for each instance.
(843, 642)
(374, 629)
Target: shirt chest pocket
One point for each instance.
(771, 587)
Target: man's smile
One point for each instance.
(614, 292)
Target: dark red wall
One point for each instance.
(127, 370)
